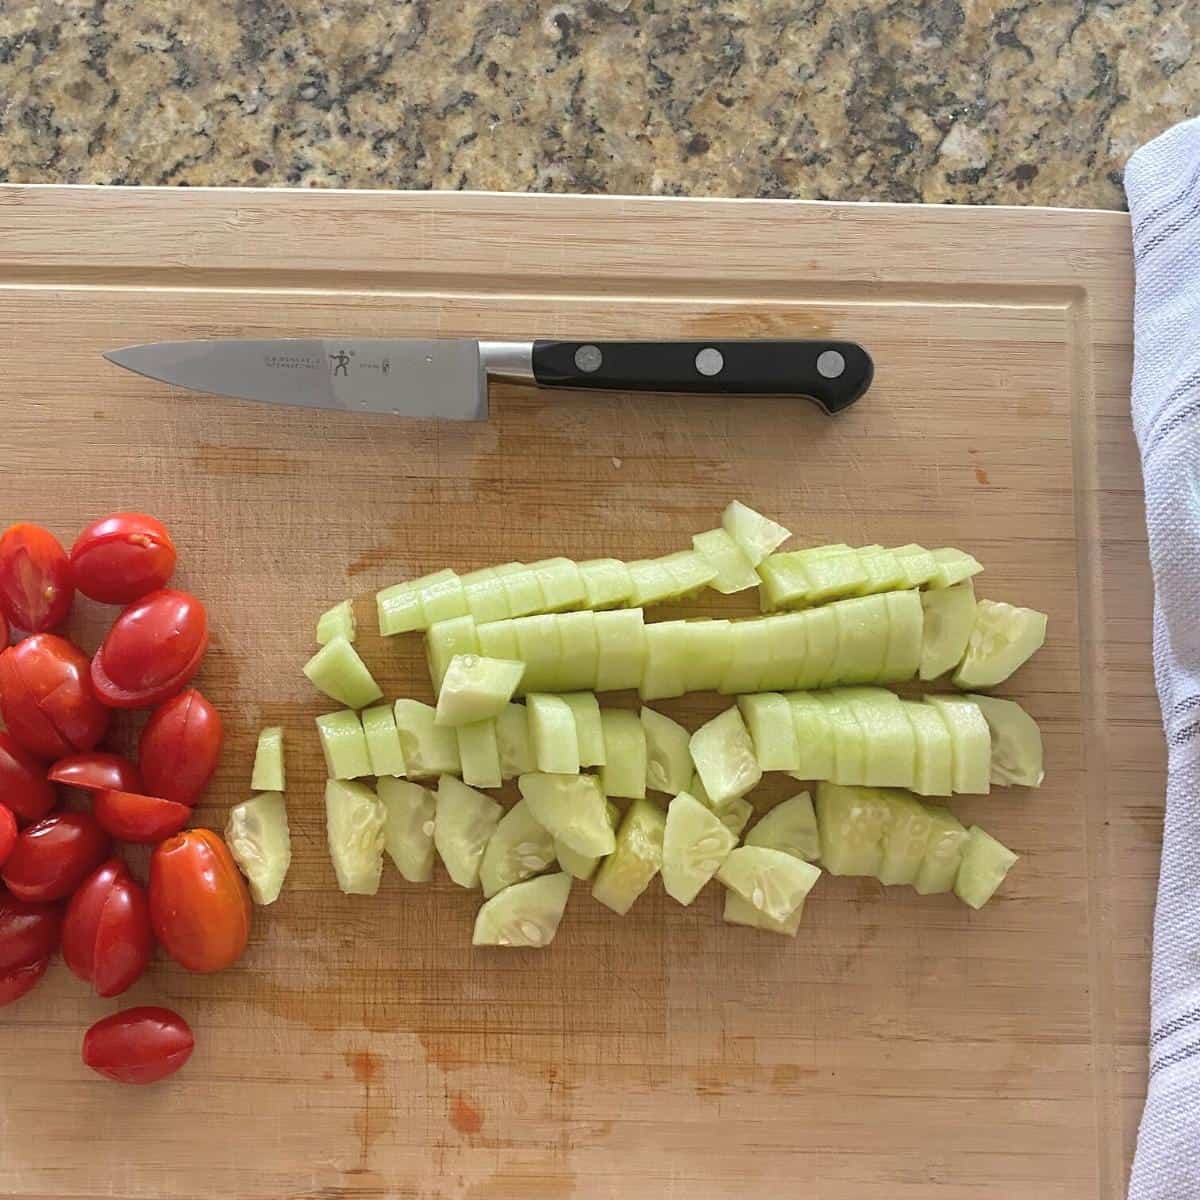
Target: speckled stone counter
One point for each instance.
(969, 101)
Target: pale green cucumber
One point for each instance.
(854, 824)
(578, 649)
(862, 640)
(695, 844)
(562, 584)
(724, 757)
(583, 866)
(258, 838)
(540, 648)
(734, 814)
(943, 852)
(814, 737)
(709, 651)
(749, 657)
(768, 717)
(668, 759)
(771, 881)
(399, 609)
(463, 824)
(791, 827)
(734, 572)
(849, 742)
(971, 742)
(933, 773)
(787, 651)
(636, 857)
(552, 728)
(917, 563)
(785, 583)
(514, 743)
(524, 591)
(448, 640)
(383, 742)
(741, 912)
(354, 821)
(755, 534)
(499, 640)
(442, 597)
(953, 566)
(949, 615)
(623, 775)
(589, 732)
(571, 808)
(487, 599)
(428, 748)
(887, 736)
(906, 622)
(338, 621)
(884, 572)
(479, 754)
(1016, 742)
(690, 570)
(821, 647)
(476, 688)
(1002, 639)
(519, 849)
(652, 582)
(606, 583)
(527, 914)
(985, 863)
(833, 572)
(337, 671)
(666, 660)
(344, 745)
(621, 649)
(408, 830)
(906, 840)
(268, 773)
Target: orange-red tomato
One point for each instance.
(179, 747)
(138, 1045)
(24, 787)
(96, 772)
(121, 557)
(8, 833)
(52, 858)
(35, 578)
(199, 905)
(15, 983)
(131, 817)
(106, 938)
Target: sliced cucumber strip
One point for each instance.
(821, 647)
(524, 592)
(742, 912)
(463, 824)
(479, 754)
(572, 809)
(734, 572)
(519, 849)
(636, 858)
(448, 640)
(552, 728)
(749, 657)
(854, 824)
(606, 583)
(943, 852)
(514, 743)
(849, 742)
(906, 622)
(862, 640)
(665, 672)
(755, 534)
(785, 583)
(579, 651)
(499, 640)
(787, 651)
(258, 838)
(338, 621)
(442, 597)
(399, 609)
(690, 570)
(1002, 639)
(268, 773)
(773, 882)
(561, 582)
(888, 738)
(621, 645)
(695, 844)
(709, 650)
(354, 821)
(917, 563)
(428, 748)
(344, 745)
(526, 914)
(768, 716)
(589, 732)
(953, 566)
(487, 599)
(540, 648)
(906, 840)
(475, 688)
(1016, 742)
(970, 740)
(383, 742)
(833, 572)
(624, 772)
(652, 582)
(668, 759)
(583, 866)
(337, 671)
(884, 572)
(791, 827)
(933, 773)
(949, 618)
(408, 830)
(985, 863)
(814, 737)
(724, 757)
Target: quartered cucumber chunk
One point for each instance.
(583, 866)
(887, 736)
(338, 621)
(854, 823)
(589, 732)
(552, 728)
(985, 863)
(695, 844)
(523, 590)
(733, 814)
(949, 618)
(785, 583)
(863, 630)
(479, 754)
(344, 745)
(475, 688)
(906, 623)
(741, 912)
(562, 584)
(906, 840)
(463, 824)
(668, 759)
(487, 599)
(690, 570)
(621, 649)
(884, 572)
(943, 852)
(337, 671)
(755, 534)
(606, 583)
(408, 828)
(399, 609)
(953, 566)
(636, 858)
(933, 768)
(849, 742)
(354, 821)
(624, 772)
(709, 650)
(787, 651)
(724, 757)
(258, 838)
(917, 563)
(821, 647)
(571, 808)
(383, 742)
(1003, 637)
(428, 748)
(1016, 742)
(833, 572)
(539, 646)
(443, 597)
(790, 827)
(579, 651)
(518, 849)
(514, 743)
(665, 673)
(970, 740)
(268, 773)
(526, 914)
(814, 737)
(446, 641)
(499, 640)
(771, 881)
(652, 582)
(768, 717)
(734, 571)
(749, 657)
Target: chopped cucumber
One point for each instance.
(785, 583)
(787, 651)
(624, 772)
(518, 849)
(1003, 637)
(524, 592)
(526, 914)
(339, 621)
(408, 830)
(571, 808)
(606, 583)
(583, 866)
(933, 773)
(579, 651)
(854, 823)
(749, 657)
(636, 858)
(917, 563)
(755, 534)
(970, 740)
(666, 660)
(653, 582)
(383, 742)
(849, 742)
(487, 599)
(949, 618)
(344, 745)
(268, 774)
(814, 737)
(479, 754)
(1016, 742)
(399, 609)
(985, 863)
(953, 566)
(514, 742)
(475, 688)
(499, 640)
(943, 852)
(905, 620)
(833, 572)
(768, 716)
(442, 597)
(668, 759)
(820, 646)
(695, 844)
(742, 912)
(552, 728)
(733, 814)
(724, 757)
(354, 821)
(709, 650)
(734, 571)
(773, 882)
(258, 838)
(540, 648)
(562, 584)
(790, 827)
(448, 640)
(887, 736)
(463, 824)
(337, 670)
(906, 840)
(621, 645)
(884, 572)
(690, 570)
(428, 748)
(863, 630)
(589, 732)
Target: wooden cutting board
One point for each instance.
(901, 1046)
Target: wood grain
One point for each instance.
(901, 1046)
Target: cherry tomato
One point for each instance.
(24, 787)
(8, 833)
(15, 983)
(138, 1045)
(28, 932)
(4, 634)
(96, 771)
(121, 557)
(35, 578)
(47, 699)
(131, 817)
(179, 747)
(106, 938)
(152, 650)
(52, 858)
(199, 905)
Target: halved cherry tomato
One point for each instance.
(47, 699)
(138, 1045)
(52, 858)
(179, 747)
(24, 787)
(131, 817)
(152, 651)
(35, 578)
(28, 932)
(15, 983)
(97, 771)
(8, 833)
(4, 634)
(121, 557)
(199, 905)
(106, 938)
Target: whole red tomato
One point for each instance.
(35, 578)
(179, 747)
(47, 699)
(121, 557)
(52, 858)
(8, 833)
(199, 905)
(95, 771)
(29, 932)
(106, 938)
(24, 787)
(15, 983)
(153, 649)
(131, 817)
(138, 1045)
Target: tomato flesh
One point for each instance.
(29, 932)
(138, 1045)
(52, 858)
(131, 817)
(106, 938)
(122, 557)
(15, 983)
(97, 771)
(24, 787)
(180, 746)
(35, 578)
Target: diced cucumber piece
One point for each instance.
(514, 743)
(487, 599)
(338, 621)
(773, 882)
(399, 609)
(354, 821)
(854, 824)
(884, 572)
(606, 583)
(621, 647)
(268, 773)
(891, 751)
(1002, 639)
(933, 773)
(383, 742)
(258, 838)
(1016, 742)
(985, 863)
(572, 809)
(540, 648)
(561, 582)
(970, 740)
(724, 757)
(448, 640)
(742, 912)
(953, 566)
(636, 858)
(917, 563)
(578, 649)
(790, 827)
(527, 914)
(821, 644)
(666, 660)
(734, 572)
(814, 737)
(337, 671)
(690, 570)
(428, 748)
(749, 657)
(768, 716)
(583, 866)
(695, 844)
(787, 651)
(442, 597)
(833, 572)
(524, 592)
(785, 583)
(408, 830)
(624, 772)
(709, 650)
(519, 849)
(906, 839)
(906, 622)
(344, 745)
(949, 615)
(755, 534)
(479, 754)
(589, 732)
(734, 814)
(652, 582)
(849, 742)
(668, 759)
(499, 640)
(475, 688)
(943, 852)
(463, 823)
(552, 729)
(862, 639)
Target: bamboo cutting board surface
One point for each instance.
(901, 1046)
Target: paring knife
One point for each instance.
(447, 377)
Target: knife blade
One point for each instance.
(447, 378)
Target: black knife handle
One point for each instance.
(834, 374)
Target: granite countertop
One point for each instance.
(966, 101)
